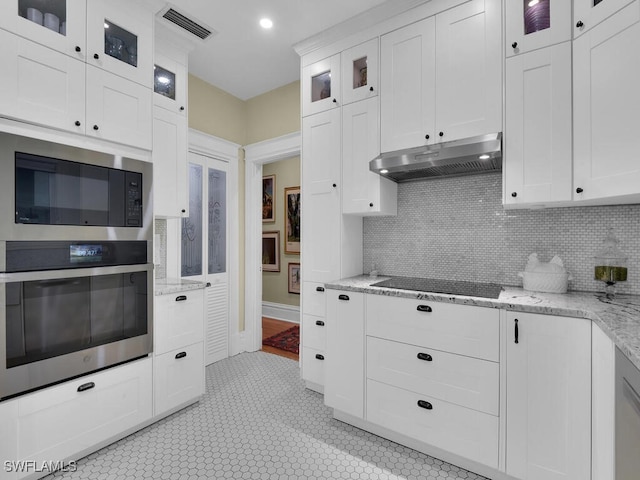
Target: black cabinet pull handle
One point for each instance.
(319, 357)
(516, 330)
(371, 204)
(514, 194)
(335, 101)
(334, 185)
(208, 284)
(514, 45)
(319, 289)
(181, 298)
(425, 356)
(320, 323)
(441, 134)
(78, 123)
(96, 127)
(371, 89)
(424, 308)
(182, 109)
(86, 386)
(579, 190)
(78, 49)
(96, 56)
(181, 355)
(424, 404)
(426, 137)
(343, 297)
(183, 211)
(579, 24)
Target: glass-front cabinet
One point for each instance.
(533, 24)
(321, 86)
(58, 24)
(169, 84)
(360, 72)
(589, 13)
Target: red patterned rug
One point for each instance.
(288, 340)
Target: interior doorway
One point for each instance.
(257, 155)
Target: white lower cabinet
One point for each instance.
(313, 368)
(67, 421)
(178, 377)
(178, 364)
(344, 389)
(462, 431)
(548, 397)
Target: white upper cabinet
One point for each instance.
(532, 25)
(589, 13)
(170, 84)
(63, 29)
(468, 70)
(360, 72)
(548, 397)
(537, 139)
(441, 77)
(321, 86)
(120, 39)
(364, 192)
(407, 82)
(606, 102)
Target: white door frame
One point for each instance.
(257, 155)
(218, 148)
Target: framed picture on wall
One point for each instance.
(268, 199)
(292, 220)
(270, 251)
(294, 278)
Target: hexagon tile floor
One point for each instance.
(257, 421)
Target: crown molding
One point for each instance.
(365, 20)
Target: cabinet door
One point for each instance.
(178, 377)
(533, 25)
(589, 13)
(62, 30)
(120, 39)
(468, 70)
(360, 72)
(344, 374)
(40, 85)
(407, 84)
(169, 163)
(321, 86)
(118, 109)
(548, 397)
(364, 192)
(537, 163)
(606, 75)
(179, 320)
(321, 196)
(170, 84)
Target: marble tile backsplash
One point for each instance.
(456, 228)
(160, 248)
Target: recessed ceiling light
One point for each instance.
(266, 23)
(384, 170)
(484, 157)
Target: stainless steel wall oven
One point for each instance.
(76, 274)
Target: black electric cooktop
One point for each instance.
(450, 287)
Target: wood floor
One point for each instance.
(270, 327)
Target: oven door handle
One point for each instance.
(73, 273)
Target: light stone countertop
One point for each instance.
(164, 286)
(619, 318)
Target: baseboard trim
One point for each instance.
(280, 311)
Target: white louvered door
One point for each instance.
(205, 252)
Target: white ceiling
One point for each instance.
(245, 60)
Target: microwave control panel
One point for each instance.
(133, 199)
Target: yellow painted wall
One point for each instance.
(274, 113)
(275, 285)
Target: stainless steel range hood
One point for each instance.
(473, 155)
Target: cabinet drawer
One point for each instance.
(61, 421)
(178, 320)
(313, 365)
(459, 430)
(465, 381)
(467, 330)
(178, 377)
(314, 298)
(314, 332)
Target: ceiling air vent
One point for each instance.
(185, 23)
